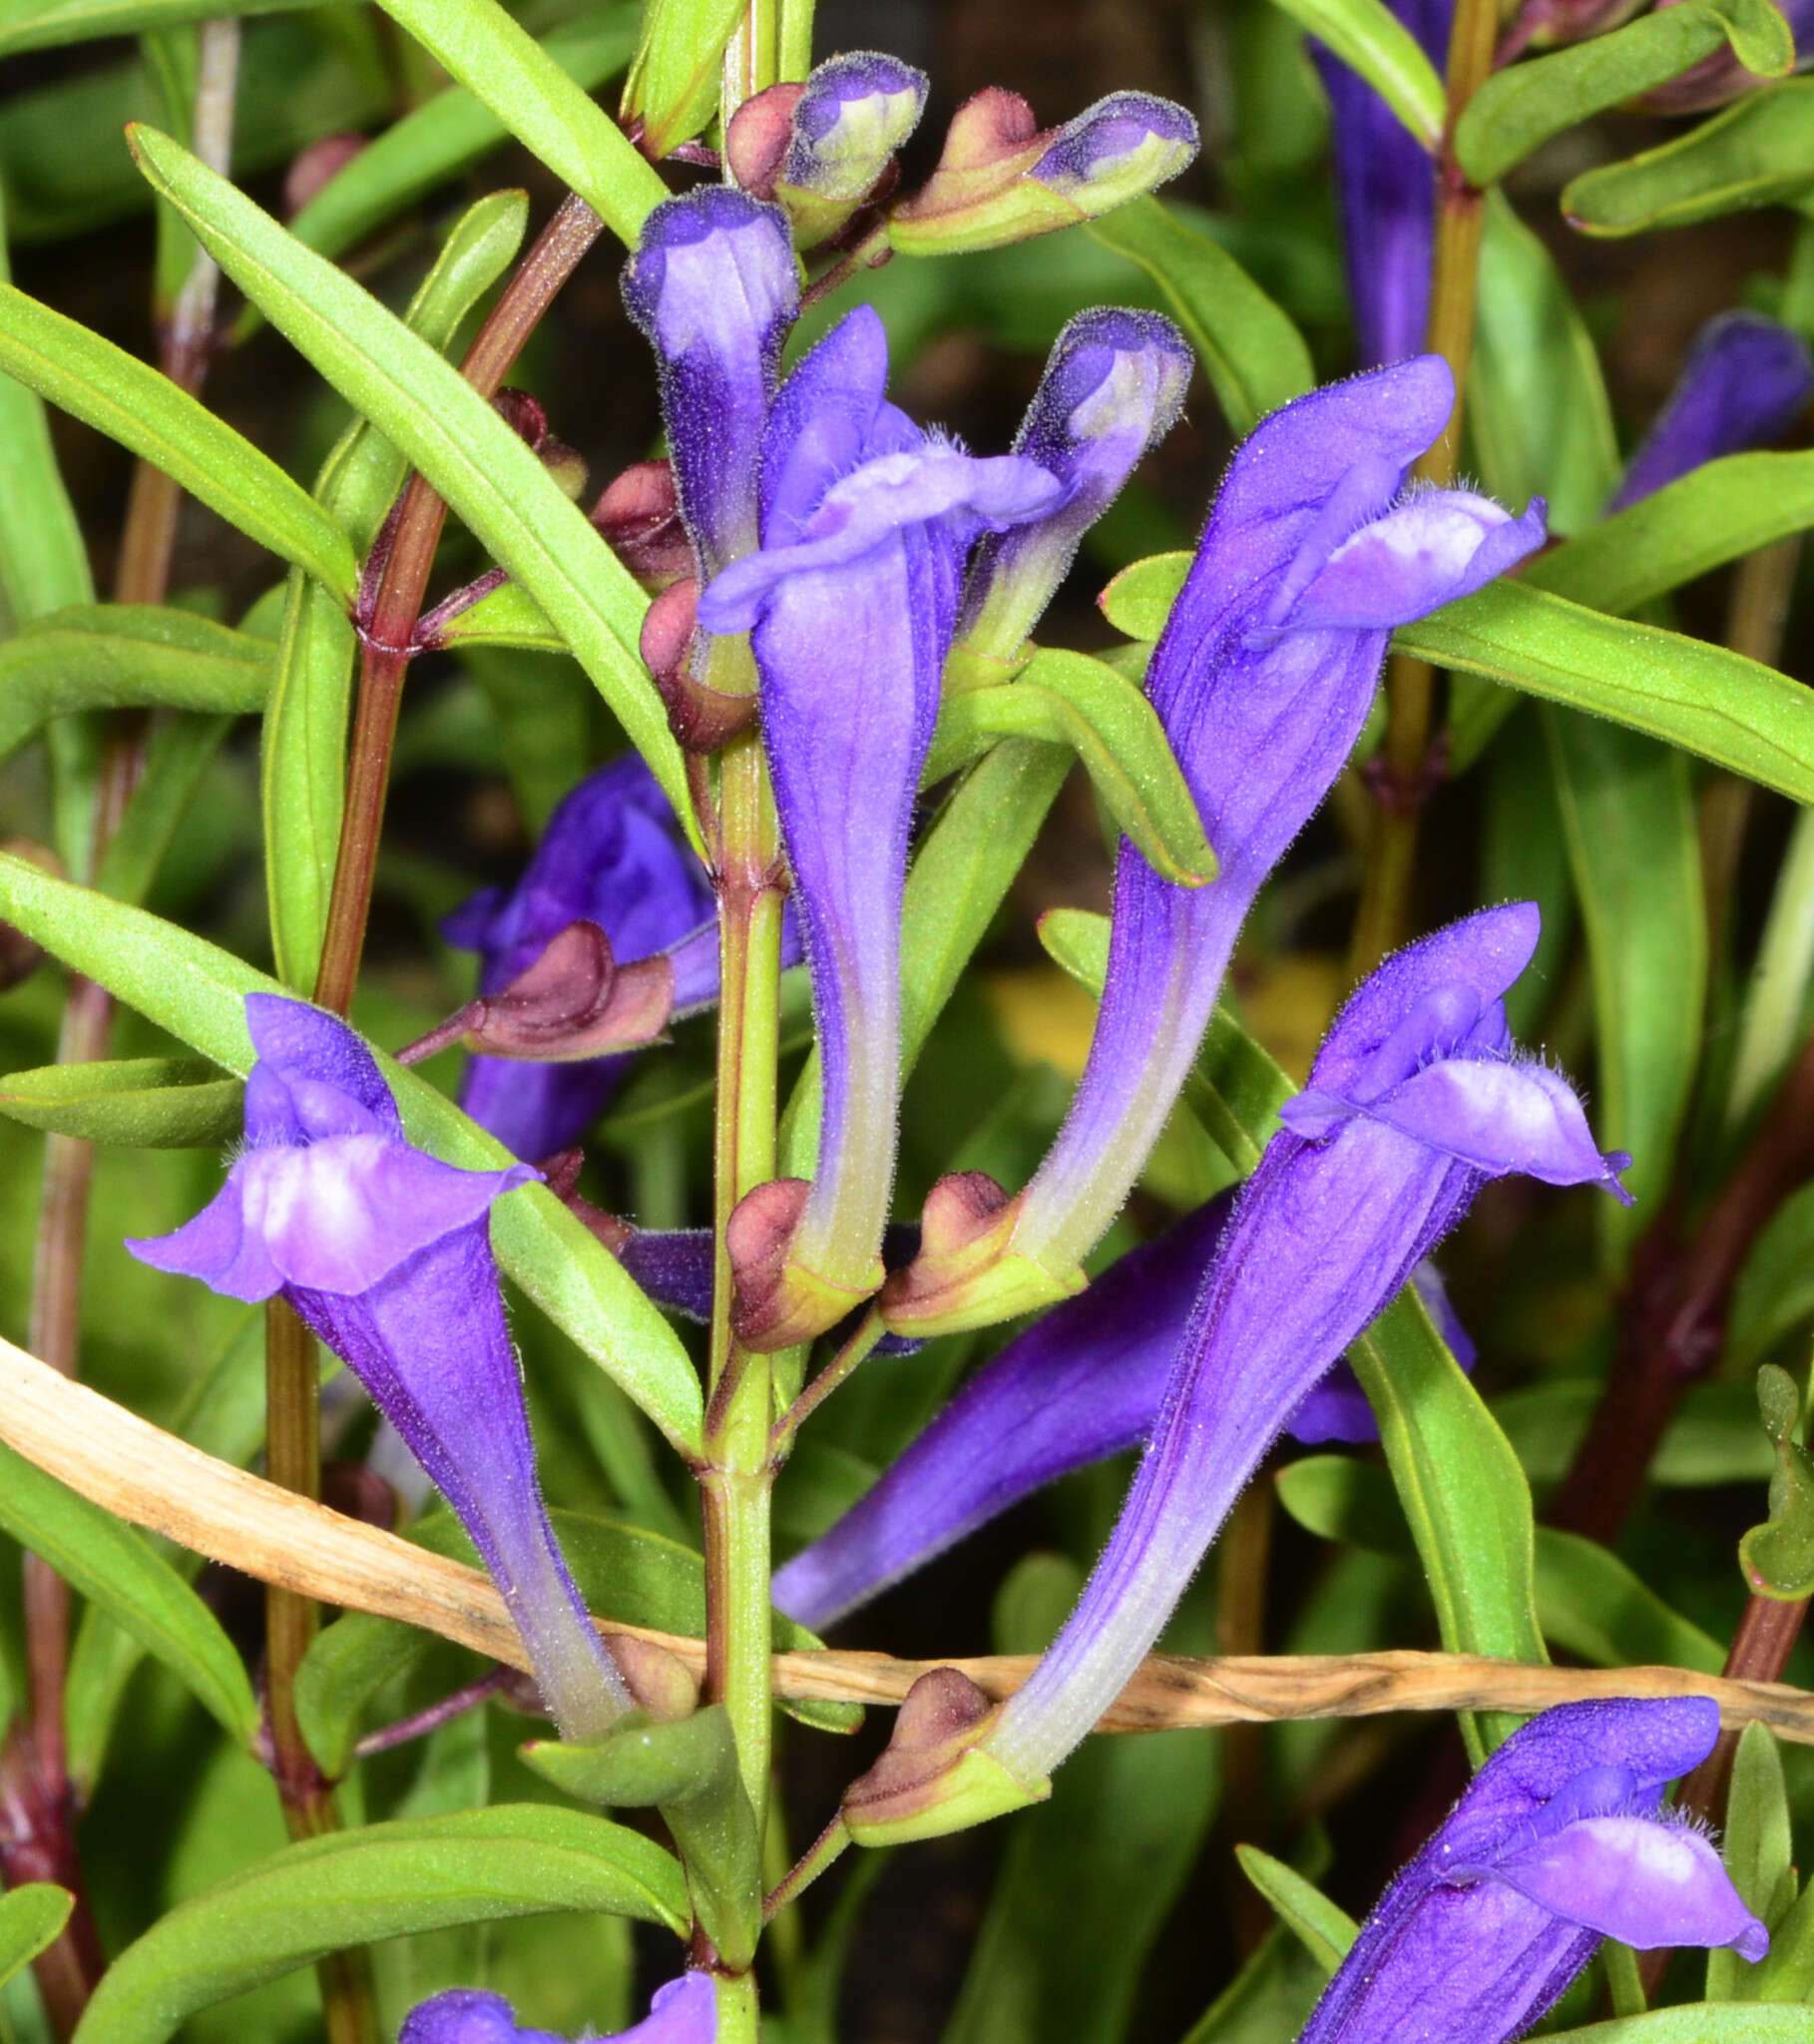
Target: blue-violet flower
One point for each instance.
(385, 1253)
(1262, 680)
(686, 2011)
(1561, 1839)
(852, 600)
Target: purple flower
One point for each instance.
(612, 855)
(852, 600)
(1745, 381)
(1262, 680)
(385, 1254)
(1114, 386)
(1385, 182)
(1415, 1100)
(714, 287)
(1002, 177)
(1561, 1839)
(686, 2011)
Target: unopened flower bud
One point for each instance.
(1003, 179)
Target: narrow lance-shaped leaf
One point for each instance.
(1369, 38)
(146, 412)
(385, 1881)
(1523, 106)
(116, 1566)
(30, 1917)
(1756, 153)
(500, 63)
(48, 24)
(487, 473)
(119, 656)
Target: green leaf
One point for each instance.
(1756, 1849)
(1069, 700)
(525, 86)
(1716, 513)
(1591, 1605)
(1139, 599)
(1714, 1441)
(387, 1880)
(1538, 409)
(196, 992)
(1778, 1557)
(178, 755)
(1324, 1928)
(1700, 698)
(509, 616)
(1522, 107)
(1704, 2022)
(690, 1768)
(45, 24)
(672, 87)
(146, 412)
(466, 450)
(1756, 153)
(116, 1566)
(119, 656)
(43, 562)
(302, 769)
(143, 1103)
(1371, 40)
(1253, 356)
(1629, 819)
(1463, 1492)
(435, 141)
(1775, 1290)
(958, 880)
(31, 1917)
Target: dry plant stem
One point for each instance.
(1383, 920)
(153, 1479)
(1674, 1313)
(737, 1475)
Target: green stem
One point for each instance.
(1385, 908)
(740, 2011)
(736, 1474)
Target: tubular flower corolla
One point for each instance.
(686, 2011)
(1561, 1839)
(851, 602)
(385, 1253)
(1415, 1100)
(1262, 680)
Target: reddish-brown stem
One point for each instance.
(387, 629)
(434, 1716)
(1675, 1314)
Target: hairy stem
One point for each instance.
(1384, 916)
(735, 1479)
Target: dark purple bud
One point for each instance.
(1416, 1100)
(1112, 389)
(638, 514)
(852, 601)
(1746, 380)
(714, 287)
(1262, 680)
(1561, 1839)
(1385, 183)
(611, 855)
(686, 2011)
(385, 1252)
